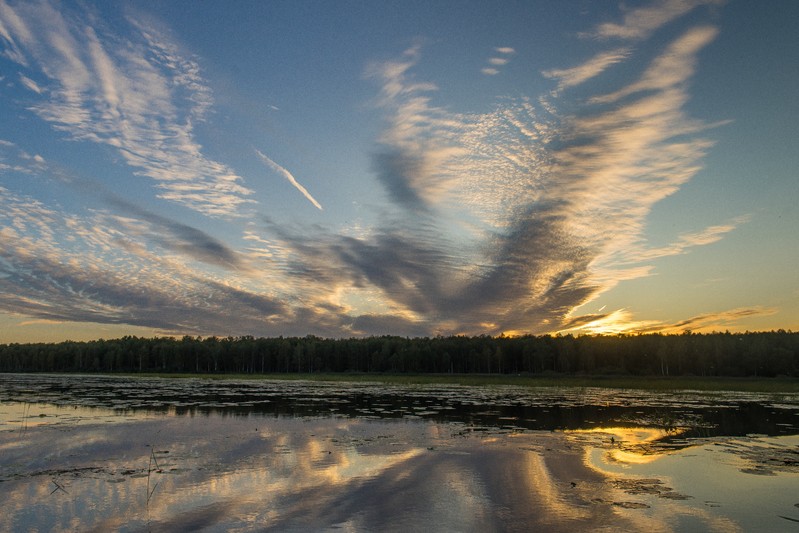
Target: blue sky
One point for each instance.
(412, 168)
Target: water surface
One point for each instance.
(95, 453)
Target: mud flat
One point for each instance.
(159, 455)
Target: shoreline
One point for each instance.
(651, 383)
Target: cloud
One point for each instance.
(30, 84)
(595, 66)
(388, 325)
(286, 174)
(11, 23)
(162, 230)
(623, 321)
(20, 161)
(420, 141)
(520, 275)
(716, 321)
(671, 68)
(176, 236)
(502, 221)
(640, 22)
(687, 241)
(620, 162)
(498, 61)
(109, 276)
(520, 215)
(39, 322)
(136, 94)
(620, 321)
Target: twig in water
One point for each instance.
(149, 470)
(58, 487)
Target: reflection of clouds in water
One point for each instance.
(220, 471)
(227, 471)
(680, 490)
(216, 460)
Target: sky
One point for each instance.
(413, 168)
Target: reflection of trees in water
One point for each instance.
(695, 415)
(231, 468)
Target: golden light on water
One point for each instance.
(630, 445)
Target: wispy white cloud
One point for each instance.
(30, 84)
(676, 65)
(641, 22)
(421, 139)
(136, 94)
(684, 243)
(289, 177)
(19, 160)
(11, 23)
(498, 60)
(595, 66)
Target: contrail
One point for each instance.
(286, 174)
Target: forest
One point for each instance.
(760, 354)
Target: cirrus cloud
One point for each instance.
(138, 95)
(507, 220)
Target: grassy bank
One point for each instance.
(479, 380)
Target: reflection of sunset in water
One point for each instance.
(79, 468)
(630, 445)
(244, 472)
(695, 484)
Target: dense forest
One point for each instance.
(763, 354)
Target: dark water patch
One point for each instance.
(694, 414)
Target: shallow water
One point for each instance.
(94, 453)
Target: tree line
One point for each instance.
(763, 354)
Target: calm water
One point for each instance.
(91, 453)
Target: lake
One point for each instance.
(104, 453)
